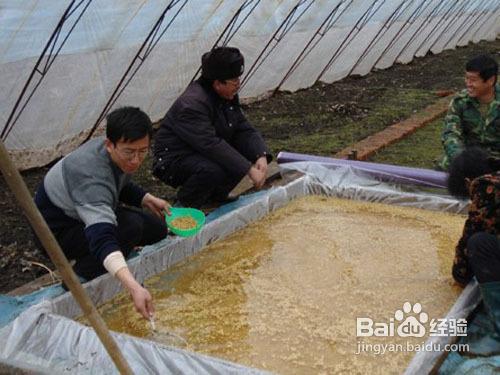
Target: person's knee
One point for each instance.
(166, 176)
(154, 229)
(482, 245)
(198, 189)
(130, 228)
(158, 230)
(212, 173)
(483, 252)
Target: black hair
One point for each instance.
(206, 82)
(470, 163)
(129, 124)
(485, 65)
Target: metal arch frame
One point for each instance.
(322, 30)
(42, 67)
(474, 15)
(495, 10)
(481, 14)
(453, 20)
(409, 22)
(142, 54)
(382, 31)
(230, 28)
(425, 23)
(363, 20)
(445, 17)
(278, 36)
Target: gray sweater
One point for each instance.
(87, 186)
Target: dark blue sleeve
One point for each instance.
(102, 240)
(249, 142)
(132, 194)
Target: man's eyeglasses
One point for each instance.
(233, 82)
(130, 154)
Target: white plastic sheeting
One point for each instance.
(52, 344)
(45, 338)
(333, 38)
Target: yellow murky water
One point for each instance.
(284, 293)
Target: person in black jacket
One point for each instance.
(205, 145)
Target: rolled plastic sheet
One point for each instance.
(45, 336)
(387, 172)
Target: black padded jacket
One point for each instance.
(200, 121)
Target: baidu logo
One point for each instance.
(410, 321)
(411, 325)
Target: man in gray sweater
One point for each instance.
(82, 199)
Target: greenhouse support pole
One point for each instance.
(23, 197)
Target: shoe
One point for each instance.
(489, 344)
(213, 204)
(227, 199)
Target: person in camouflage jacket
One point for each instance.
(473, 117)
(482, 218)
(476, 175)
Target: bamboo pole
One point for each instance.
(23, 197)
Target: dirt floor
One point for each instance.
(320, 120)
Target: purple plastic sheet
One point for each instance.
(385, 172)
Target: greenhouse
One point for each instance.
(323, 269)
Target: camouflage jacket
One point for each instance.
(483, 216)
(464, 126)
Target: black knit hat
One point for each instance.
(222, 63)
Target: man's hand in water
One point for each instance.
(142, 299)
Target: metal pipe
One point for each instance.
(482, 14)
(486, 21)
(472, 16)
(415, 14)
(426, 22)
(380, 33)
(277, 36)
(438, 25)
(463, 9)
(15, 114)
(329, 21)
(142, 54)
(362, 20)
(230, 29)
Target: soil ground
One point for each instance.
(320, 120)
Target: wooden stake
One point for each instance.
(23, 197)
